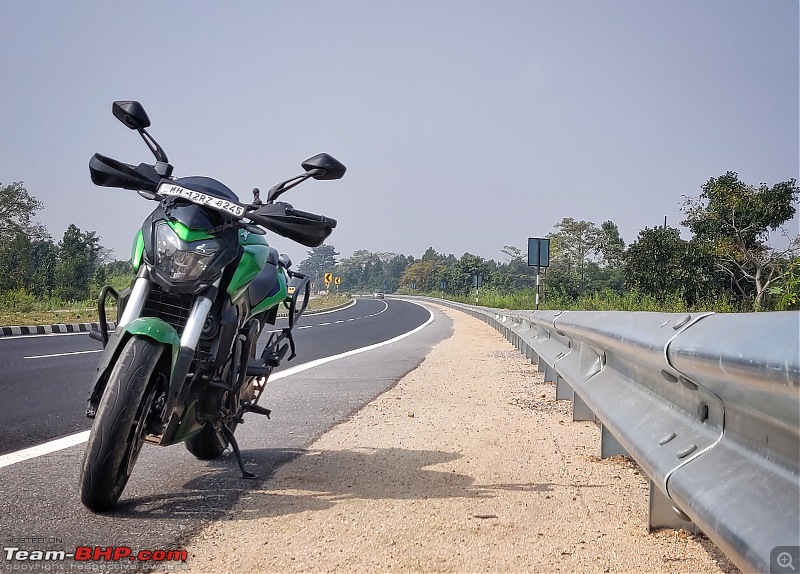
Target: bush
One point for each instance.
(599, 301)
(19, 300)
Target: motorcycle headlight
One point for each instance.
(179, 260)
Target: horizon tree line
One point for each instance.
(729, 255)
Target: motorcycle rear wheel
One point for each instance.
(206, 444)
(119, 427)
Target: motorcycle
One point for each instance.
(181, 364)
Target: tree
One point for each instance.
(732, 220)
(662, 264)
(17, 208)
(611, 248)
(424, 275)
(393, 270)
(117, 273)
(78, 259)
(320, 259)
(516, 272)
(44, 258)
(572, 248)
(610, 245)
(15, 262)
(362, 270)
(787, 291)
(431, 255)
(654, 262)
(466, 268)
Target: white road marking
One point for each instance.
(63, 354)
(323, 360)
(43, 449)
(12, 337)
(352, 302)
(81, 437)
(323, 324)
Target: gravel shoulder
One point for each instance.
(468, 464)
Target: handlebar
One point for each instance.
(309, 229)
(110, 172)
(312, 216)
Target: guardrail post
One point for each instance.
(580, 410)
(609, 445)
(564, 392)
(664, 514)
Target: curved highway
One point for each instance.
(46, 378)
(171, 494)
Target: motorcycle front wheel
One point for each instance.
(118, 431)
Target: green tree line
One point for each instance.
(34, 266)
(729, 263)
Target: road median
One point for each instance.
(86, 327)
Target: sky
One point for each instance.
(465, 125)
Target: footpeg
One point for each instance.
(259, 370)
(274, 359)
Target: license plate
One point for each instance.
(201, 199)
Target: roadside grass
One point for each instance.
(22, 308)
(603, 301)
(327, 301)
(18, 308)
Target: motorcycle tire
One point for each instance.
(118, 431)
(205, 444)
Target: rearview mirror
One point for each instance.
(330, 167)
(131, 114)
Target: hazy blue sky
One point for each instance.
(464, 125)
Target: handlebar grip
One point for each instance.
(312, 216)
(110, 172)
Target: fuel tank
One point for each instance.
(258, 275)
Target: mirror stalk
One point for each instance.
(156, 149)
(285, 186)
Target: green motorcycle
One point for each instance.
(181, 364)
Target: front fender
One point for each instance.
(156, 329)
(151, 327)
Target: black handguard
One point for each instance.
(305, 228)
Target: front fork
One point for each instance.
(194, 323)
(183, 349)
(177, 395)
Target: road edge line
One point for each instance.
(44, 448)
(81, 437)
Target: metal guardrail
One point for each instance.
(707, 404)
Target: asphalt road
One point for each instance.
(171, 494)
(46, 378)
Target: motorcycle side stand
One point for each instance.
(235, 446)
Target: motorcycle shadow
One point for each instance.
(316, 480)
